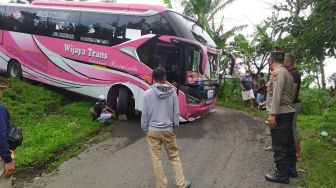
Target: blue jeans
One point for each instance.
(105, 117)
(260, 98)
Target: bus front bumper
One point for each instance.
(197, 111)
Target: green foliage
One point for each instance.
(167, 2)
(314, 101)
(229, 93)
(319, 156)
(49, 124)
(319, 163)
(329, 122)
(204, 12)
(254, 52)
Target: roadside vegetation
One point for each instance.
(318, 168)
(56, 126)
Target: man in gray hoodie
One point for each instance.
(159, 119)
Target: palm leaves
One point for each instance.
(205, 12)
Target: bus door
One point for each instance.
(191, 59)
(1, 35)
(2, 15)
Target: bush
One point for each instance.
(314, 101)
(329, 120)
(229, 92)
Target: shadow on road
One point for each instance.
(132, 132)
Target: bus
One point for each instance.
(111, 49)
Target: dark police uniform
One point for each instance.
(282, 134)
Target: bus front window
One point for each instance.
(193, 65)
(214, 66)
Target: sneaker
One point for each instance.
(187, 184)
(268, 148)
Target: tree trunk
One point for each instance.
(318, 80)
(323, 79)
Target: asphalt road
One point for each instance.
(225, 149)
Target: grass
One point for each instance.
(319, 155)
(55, 127)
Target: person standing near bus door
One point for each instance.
(261, 91)
(289, 64)
(6, 156)
(159, 120)
(280, 121)
(246, 86)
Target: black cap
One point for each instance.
(278, 56)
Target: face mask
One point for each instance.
(247, 74)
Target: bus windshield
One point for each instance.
(195, 32)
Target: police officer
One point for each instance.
(280, 121)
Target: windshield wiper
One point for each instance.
(200, 38)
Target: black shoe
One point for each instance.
(292, 173)
(277, 178)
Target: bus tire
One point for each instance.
(123, 101)
(14, 69)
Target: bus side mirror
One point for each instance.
(233, 61)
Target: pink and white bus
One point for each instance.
(110, 49)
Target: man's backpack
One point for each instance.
(15, 136)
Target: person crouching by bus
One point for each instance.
(101, 112)
(281, 121)
(6, 156)
(159, 120)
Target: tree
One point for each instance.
(255, 51)
(332, 79)
(167, 3)
(314, 34)
(204, 11)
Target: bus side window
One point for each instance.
(98, 28)
(17, 19)
(129, 27)
(2, 17)
(39, 22)
(61, 24)
(132, 27)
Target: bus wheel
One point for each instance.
(123, 101)
(14, 69)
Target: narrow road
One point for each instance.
(225, 149)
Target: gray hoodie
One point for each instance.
(160, 110)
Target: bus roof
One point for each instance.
(140, 8)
